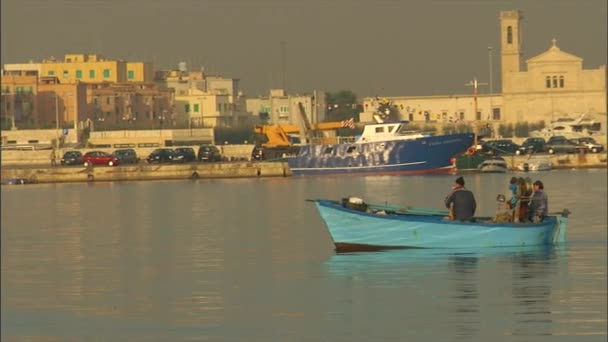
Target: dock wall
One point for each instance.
(148, 172)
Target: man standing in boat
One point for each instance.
(461, 202)
(538, 207)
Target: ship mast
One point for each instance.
(475, 85)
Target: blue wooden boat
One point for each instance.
(362, 227)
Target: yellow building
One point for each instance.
(93, 68)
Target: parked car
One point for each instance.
(559, 143)
(533, 145)
(99, 158)
(209, 153)
(161, 155)
(184, 155)
(72, 158)
(589, 143)
(126, 156)
(257, 153)
(499, 147)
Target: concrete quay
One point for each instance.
(142, 171)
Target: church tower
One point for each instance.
(510, 42)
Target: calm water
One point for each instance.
(250, 260)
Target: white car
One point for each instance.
(589, 143)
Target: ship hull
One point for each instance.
(416, 156)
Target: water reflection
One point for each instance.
(466, 285)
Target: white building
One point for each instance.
(281, 108)
(554, 85)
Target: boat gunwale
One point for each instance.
(549, 221)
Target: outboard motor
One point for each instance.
(354, 203)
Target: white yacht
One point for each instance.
(571, 128)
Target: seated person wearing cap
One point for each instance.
(461, 202)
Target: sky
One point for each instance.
(370, 47)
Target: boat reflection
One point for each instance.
(461, 260)
(464, 285)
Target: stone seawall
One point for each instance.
(148, 172)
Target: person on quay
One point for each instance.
(539, 203)
(461, 202)
(53, 158)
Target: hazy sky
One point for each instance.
(372, 47)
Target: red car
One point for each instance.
(99, 158)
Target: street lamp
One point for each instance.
(56, 121)
(491, 90)
(57, 115)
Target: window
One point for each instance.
(91, 73)
(379, 129)
(108, 100)
(478, 116)
(106, 73)
(65, 74)
(548, 81)
(147, 115)
(561, 81)
(509, 35)
(196, 107)
(554, 81)
(51, 73)
(8, 90)
(496, 113)
(131, 74)
(328, 150)
(461, 115)
(187, 108)
(78, 74)
(350, 149)
(30, 89)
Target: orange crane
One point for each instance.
(279, 136)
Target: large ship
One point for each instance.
(382, 148)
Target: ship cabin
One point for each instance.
(388, 131)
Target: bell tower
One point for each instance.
(510, 42)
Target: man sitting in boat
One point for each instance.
(538, 207)
(461, 202)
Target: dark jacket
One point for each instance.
(463, 202)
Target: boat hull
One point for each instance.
(351, 228)
(416, 156)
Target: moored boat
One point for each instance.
(535, 164)
(494, 164)
(376, 227)
(383, 148)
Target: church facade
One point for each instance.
(554, 85)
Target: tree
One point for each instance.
(342, 105)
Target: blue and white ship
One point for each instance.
(382, 148)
